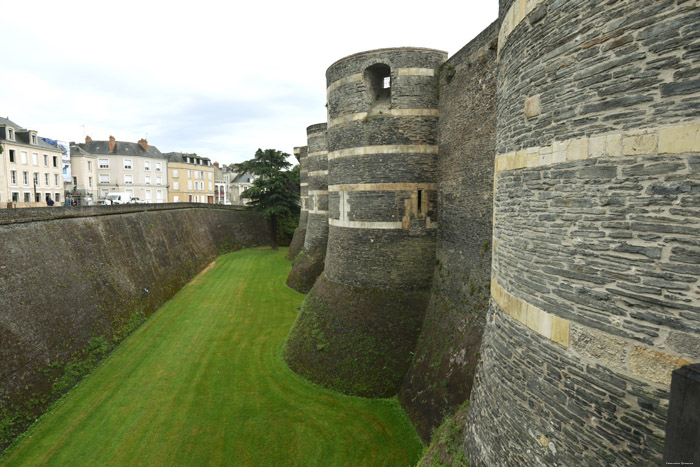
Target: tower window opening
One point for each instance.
(420, 201)
(377, 79)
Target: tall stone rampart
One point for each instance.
(309, 263)
(595, 296)
(297, 243)
(72, 278)
(361, 320)
(450, 338)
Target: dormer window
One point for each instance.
(11, 134)
(33, 138)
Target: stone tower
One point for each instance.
(300, 233)
(309, 263)
(360, 322)
(595, 296)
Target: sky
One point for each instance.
(220, 79)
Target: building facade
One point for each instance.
(191, 178)
(30, 167)
(83, 185)
(135, 168)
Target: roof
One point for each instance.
(8, 122)
(179, 157)
(22, 136)
(243, 177)
(121, 148)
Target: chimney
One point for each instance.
(88, 139)
(112, 143)
(216, 164)
(144, 144)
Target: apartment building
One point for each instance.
(30, 167)
(136, 168)
(83, 175)
(191, 178)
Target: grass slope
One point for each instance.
(203, 383)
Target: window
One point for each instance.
(46, 160)
(210, 186)
(189, 174)
(159, 180)
(176, 185)
(75, 181)
(12, 155)
(13, 177)
(148, 179)
(130, 191)
(55, 161)
(175, 175)
(159, 195)
(103, 163)
(27, 197)
(35, 158)
(11, 134)
(15, 196)
(57, 197)
(55, 179)
(127, 164)
(146, 165)
(104, 178)
(209, 175)
(33, 139)
(89, 182)
(148, 195)
(176, 199)
(46, 180)
(196, 174)
(36, 178)
(377, 80)
(37, 197)
(24, 157)
(157, 166)
(129, 179)
(89, 166)
(189, 184)
(25, 178)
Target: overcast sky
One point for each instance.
(217, 78)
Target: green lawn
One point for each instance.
(203, 382)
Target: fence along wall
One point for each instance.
(69, 275)
(595, 296)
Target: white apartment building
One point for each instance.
(30, 167)
(136, 168)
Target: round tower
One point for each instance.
(308, 265)
(360, 323)
(300, 233)
(595, 297)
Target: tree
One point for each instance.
(275, 191)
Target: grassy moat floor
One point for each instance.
(203, 382)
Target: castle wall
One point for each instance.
(297, 243)
(448, 347)
(594, 297)
(382, 165)
(70, 276)
(309, 264)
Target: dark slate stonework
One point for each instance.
(366, 262)
(607, 244)
(599, 67)
(683, 427)
(550, 408)
(448, 348)
(297, 243)
(309, 263)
